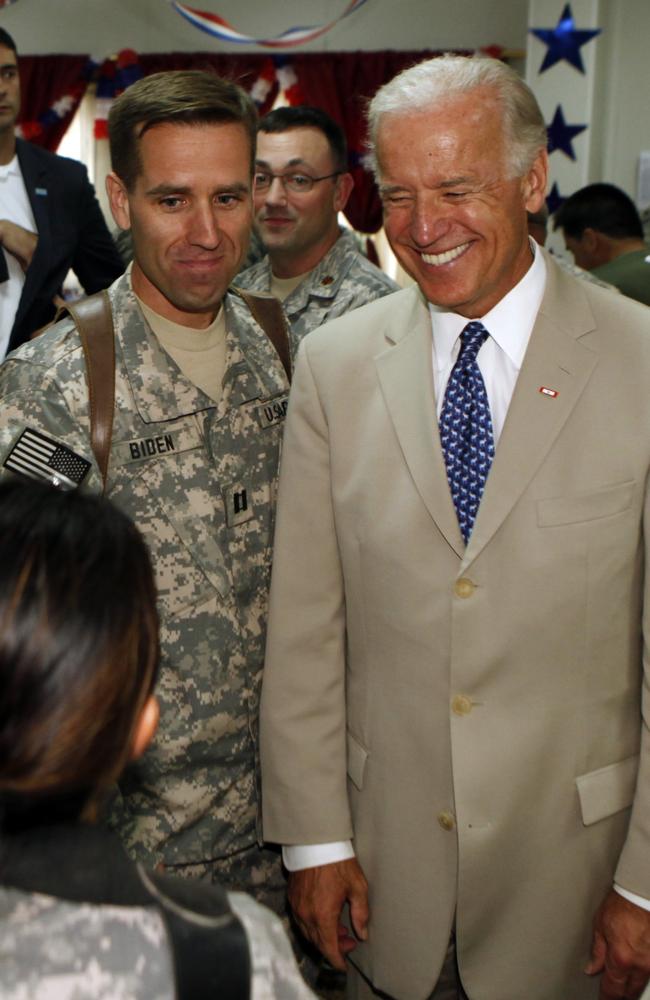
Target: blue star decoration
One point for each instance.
(564, 41)
(561, 135)
(554, 199)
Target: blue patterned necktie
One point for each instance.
(466, 429)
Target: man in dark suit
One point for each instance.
(50, 221)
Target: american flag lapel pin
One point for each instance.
(545, 391)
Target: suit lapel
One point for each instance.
(35, 177)
(406, 379)
(555, 360)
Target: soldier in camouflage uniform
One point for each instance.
(301, 184)
(195, 470)
(50, 949)
(78, 665)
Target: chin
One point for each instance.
(274, 240)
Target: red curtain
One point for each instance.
(51, 90)
(341, 83)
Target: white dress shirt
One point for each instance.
(15, 206)
(510, 324)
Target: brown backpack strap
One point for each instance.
(93, 318)
(269, 314)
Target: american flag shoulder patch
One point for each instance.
(40, 457)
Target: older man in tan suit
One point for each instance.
(451, 706)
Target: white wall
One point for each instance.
(624, 92)
(102, 27)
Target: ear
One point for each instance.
(343, 190)
(119, 200)
(591, 239)
(145, 727)
(534, 183)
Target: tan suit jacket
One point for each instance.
(484, 702)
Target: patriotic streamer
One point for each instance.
(218, 28)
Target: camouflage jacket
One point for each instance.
(79, 920)
(199, 480)
(78, 951)
(344, 280)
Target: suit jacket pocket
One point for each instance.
(607, 790)
(585, 506)
(357, 757)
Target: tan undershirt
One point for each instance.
(200, 354)
(283, 287)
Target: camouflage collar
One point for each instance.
(323, 282)
(249, 348)
(160, 390)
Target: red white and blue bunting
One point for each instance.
(219, 28)
(115, 76)
(58, 110)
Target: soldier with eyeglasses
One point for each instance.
(302, 183)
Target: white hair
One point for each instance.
(446, 78)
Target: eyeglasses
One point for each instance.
(296, 183)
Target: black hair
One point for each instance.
(78, 644)
(602, 207)
(7, 41)
(305, 116)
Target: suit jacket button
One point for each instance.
(461, 705)
(464, 587)
(446, 821)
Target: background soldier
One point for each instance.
(301, 184)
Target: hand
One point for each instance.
(18, 241)
(621, 948)
(317, 896)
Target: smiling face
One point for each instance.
(454, 218)
(190, 213)
(298, 228)
(9, 89)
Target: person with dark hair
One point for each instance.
(302, 182)
(538, 230)
(50, 222)
(197, 415)
(78, 664)
(603, 231)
